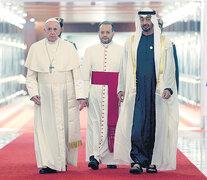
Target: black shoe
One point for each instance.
(47, 170)
(93, 164)
(151, 169)
(111, 166)
(136, 169)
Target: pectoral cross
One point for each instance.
(51, 67)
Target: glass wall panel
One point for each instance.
(186, 36)
(12, 55)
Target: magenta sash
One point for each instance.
(110, 79)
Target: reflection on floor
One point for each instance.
(194, 146)
(6, 138)
(192, 141)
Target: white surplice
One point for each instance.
(56, 120)
(104, 58)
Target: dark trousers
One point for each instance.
(143, 131)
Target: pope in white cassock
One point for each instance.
(100, 72)
(54, 83)
(146, 133)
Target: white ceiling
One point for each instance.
(90, 11)
(96, 11)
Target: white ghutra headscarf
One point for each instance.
(157, 34)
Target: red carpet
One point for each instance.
(17, 159)
(18, 162)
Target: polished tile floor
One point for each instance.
(6, 138)
(194, 147)
(193, 143)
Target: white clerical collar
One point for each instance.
(52, 43)
(106, 45)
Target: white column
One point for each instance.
(204, 65)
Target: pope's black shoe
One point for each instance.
(111, 166)
(47, 170)
(93, 164)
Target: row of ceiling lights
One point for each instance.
(13, 13)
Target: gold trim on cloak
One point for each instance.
(162, 58)
(133, 58)
(75, 144)
(161, 65)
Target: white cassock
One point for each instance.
(167, 115)
(56, 120)
(103, 58)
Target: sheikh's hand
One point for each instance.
(166, 94)
(36, 100)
